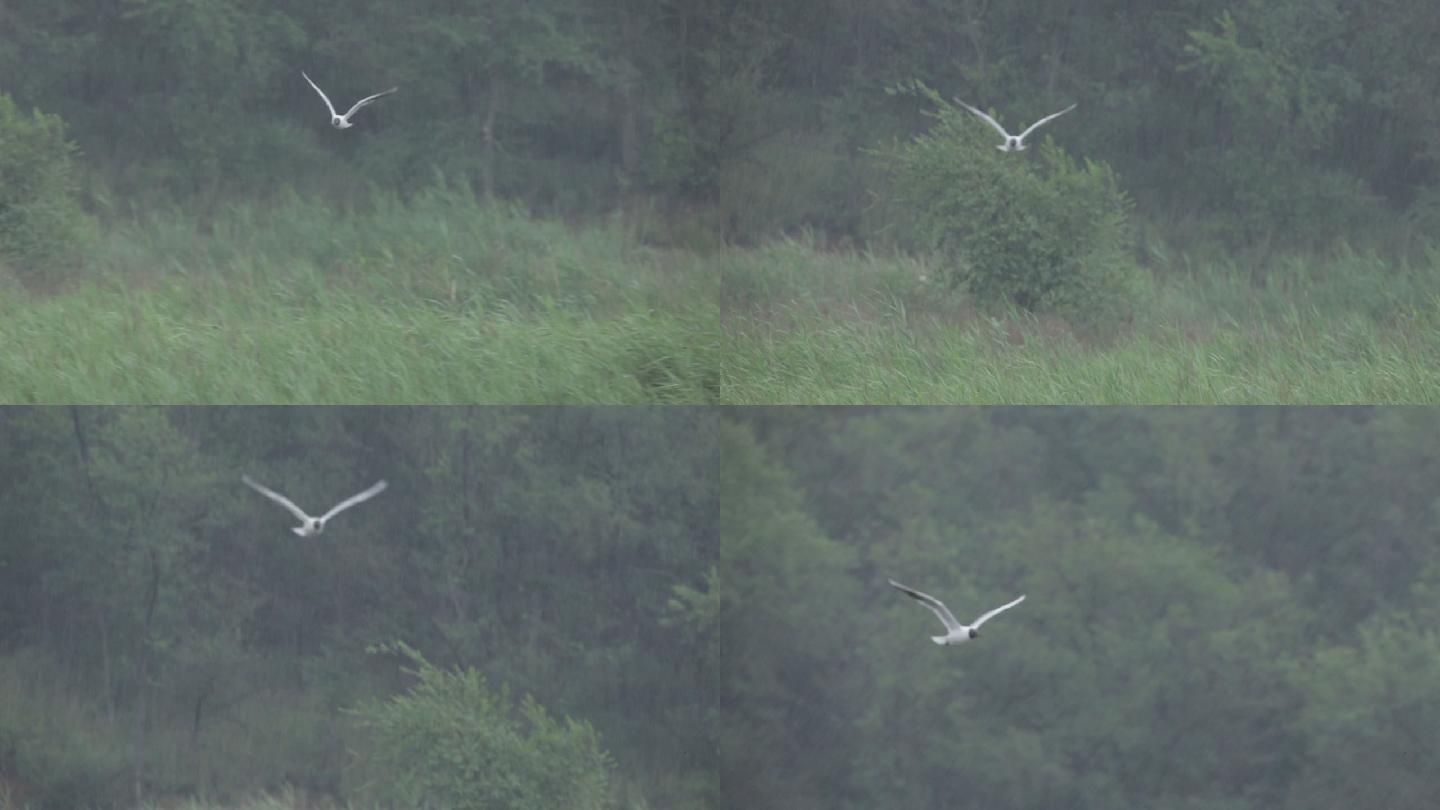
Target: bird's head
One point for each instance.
(974, 633)
(340, 123)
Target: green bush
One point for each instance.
(40, 217)
(452, 742)
(1040, 231)
(63, 754)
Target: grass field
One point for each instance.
(437, 301)
(804, 326)
(442, 300)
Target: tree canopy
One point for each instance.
(1226, 608)
(1241, 119)
(199, 646)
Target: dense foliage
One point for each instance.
(1226, 608)
(451, 741)
(1046, 235)
(40, 217)
(1251, 120)
(163, 632)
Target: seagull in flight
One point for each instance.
(343, 121)
(312, 525)
(1013, 143)
(955, 632)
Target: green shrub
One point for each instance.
(452, 742)
(55, 746)
(40, 218)
(1040, 231)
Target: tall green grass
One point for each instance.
(435, 300)
(440, 299)
(807, 326)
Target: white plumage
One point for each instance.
(955, 632)
(312, 525)
(343, 121)
(1014, 143)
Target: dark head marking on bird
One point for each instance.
(974, 633)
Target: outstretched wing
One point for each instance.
(1047, 119)
(991, 121)
(931, 602)
(354, 499)
(368, 99)
(326, 98)
(985, 617)
(276, 497)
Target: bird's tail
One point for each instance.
(938, 640)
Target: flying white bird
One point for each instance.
(343, 121)
(312, 525)
(956, 633)
(1014, 143)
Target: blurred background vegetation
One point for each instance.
(1249, 123)
(1227, 608)
(524, 589)
(790, 179)
(687, 608)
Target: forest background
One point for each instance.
(1225, 608)
(165, 638)
(697, 201)
(1249, 122)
